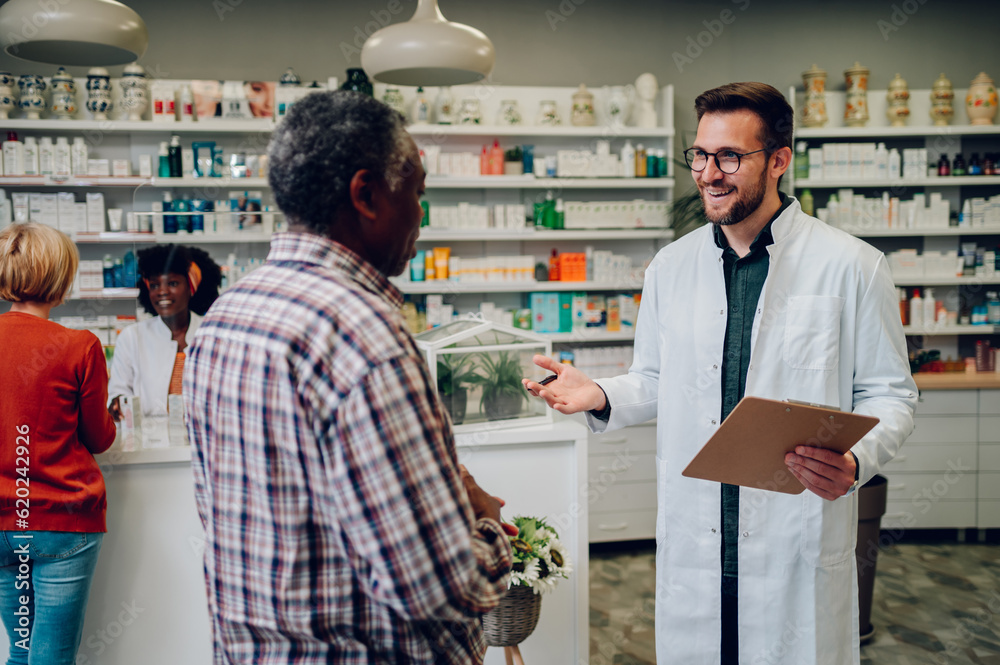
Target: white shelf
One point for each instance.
(889, 132)
(237, 183)
(249, 126)
(109, 294)
(531, 182)
(943, 181)
(945, 281)
(109, 237)
(445, 286)
(592, 335)
(546, 131)
(131, 181)
(447, 235)
(145, 456)
(917, 233)
(951, 330)
(202, 238)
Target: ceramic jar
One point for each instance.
(289, 79)
(469, 113)
(8, 102)
(897, 99)
(63, 95)
(509, 113)
(942, 95)
(32, 101)
(99, 93)
(856, 108)
(393, 98)
(583, 108)
(135, 95)
(619, 105)
(814, 110)
(548, 114)
(981, 100)
(358, 81)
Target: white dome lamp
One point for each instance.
(87, 33)
(428, 50)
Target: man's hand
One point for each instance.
(571, 392)
(825, 473)
(484, 505)
(115, 410)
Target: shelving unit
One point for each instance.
(957, 137)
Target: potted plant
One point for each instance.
(456, 371)
(500, 376)
(512, 161)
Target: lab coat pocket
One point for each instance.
(829, 530)
(661, 500)
(812, 332)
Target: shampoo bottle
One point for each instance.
(930, 308)
(881, 162)
(46, 157)
(78, 156)
(628, 160)
(895, 165)
(164, 165)
(807, 202)
(62, 158)
(916, 309)
(174, 157)
(13, 155)
(496, 159)
(30, 156)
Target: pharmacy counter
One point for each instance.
(957, 380)
(147, 603)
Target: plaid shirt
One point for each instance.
(337, 527)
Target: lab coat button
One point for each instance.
(713, 530)
(713, 422)
(746, 534)
(715, 367)
(722, 311)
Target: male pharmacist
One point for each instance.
(771, 302)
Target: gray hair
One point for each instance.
(324, 140)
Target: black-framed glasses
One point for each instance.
(727, 161)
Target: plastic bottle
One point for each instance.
(589, 254)
(807, 202)
(640, 161)
(129, 270)
(802, 161)
(30, 156)
(958, 165)
(169, 221)
(484, 162)
(881, 162)
(975, 166)
(904, 306)
(560, 215)
(628, 160)
(496, 158)
(930, 308)
(108, 266)
(187, 104)
(992, 307)
(118, 269)
(174, 157)
(13, 155)
(895, 165)
(79, 156)
(833, 211)
(554, 265)
(164, 166)
(183, 221)
(916, 309)
(46, 157)
(62, 157)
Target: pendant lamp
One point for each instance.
(88, 33)
(428, 50)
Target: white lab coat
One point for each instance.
(827, 330)
(143, 362)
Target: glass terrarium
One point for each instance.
(478, 365)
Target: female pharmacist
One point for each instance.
(177, 284)
(54, 384)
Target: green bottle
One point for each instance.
(807, 203)
(802, 162)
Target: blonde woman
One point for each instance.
(54, 385)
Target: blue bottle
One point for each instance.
(169, 221)
(182, 221)
(128, 266)
(119, 274)
(108, 270)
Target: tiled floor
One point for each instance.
(935, 604)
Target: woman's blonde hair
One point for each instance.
(37, 263)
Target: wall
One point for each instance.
(599, 42)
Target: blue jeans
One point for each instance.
(51, 572)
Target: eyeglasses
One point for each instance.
(727, 161)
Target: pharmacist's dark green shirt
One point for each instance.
(744, 281)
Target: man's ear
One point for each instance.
(781, 160)
(363, 192)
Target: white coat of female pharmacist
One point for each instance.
(177, 284)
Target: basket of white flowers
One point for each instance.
(540, 561)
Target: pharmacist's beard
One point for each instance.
(744, 203)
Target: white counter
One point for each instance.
(147, 603)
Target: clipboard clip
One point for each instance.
(814, 404)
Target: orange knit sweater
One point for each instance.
(54, 419)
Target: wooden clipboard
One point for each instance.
(749, 448)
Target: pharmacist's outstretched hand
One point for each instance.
(571, 391)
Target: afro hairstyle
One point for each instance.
(166, 259)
